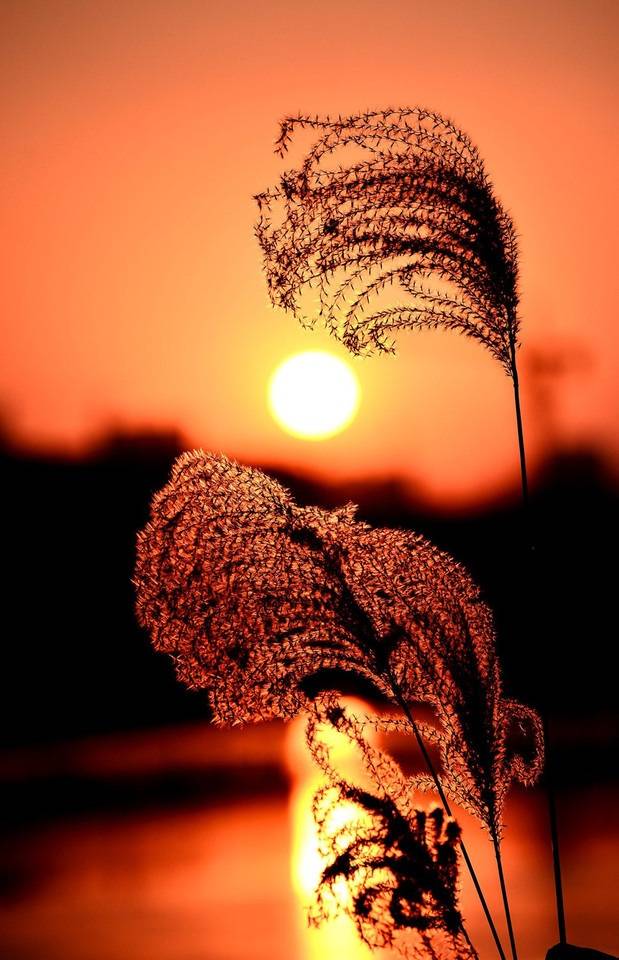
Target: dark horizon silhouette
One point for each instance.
(82, 666)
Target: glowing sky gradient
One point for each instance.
(134, 136)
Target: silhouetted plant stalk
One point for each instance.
(446, 805)
(264, 603)
(413, 212)
(549, 779)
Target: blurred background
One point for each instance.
(137, 324)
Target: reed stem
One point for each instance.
(406, 710)
(550, 792)
(508, 916)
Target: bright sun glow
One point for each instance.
(314, 395)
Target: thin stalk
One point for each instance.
(550, 792)
(406, 710)
(508, 917)
(521, 447)
(554, 838)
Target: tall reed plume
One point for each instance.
(414, 209)
(388, 223)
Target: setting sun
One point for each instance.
(314, 395)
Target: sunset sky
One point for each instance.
(134, 136)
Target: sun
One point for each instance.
(314, 395)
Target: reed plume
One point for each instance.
(398, 878)
(255, 597)
(262, 602)
(412, 209)
(395, 876)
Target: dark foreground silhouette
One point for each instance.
(569, 952)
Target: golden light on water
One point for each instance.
(314, 395)
(337, 938)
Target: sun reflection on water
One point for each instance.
(336, 938)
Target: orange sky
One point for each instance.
(134, 135)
